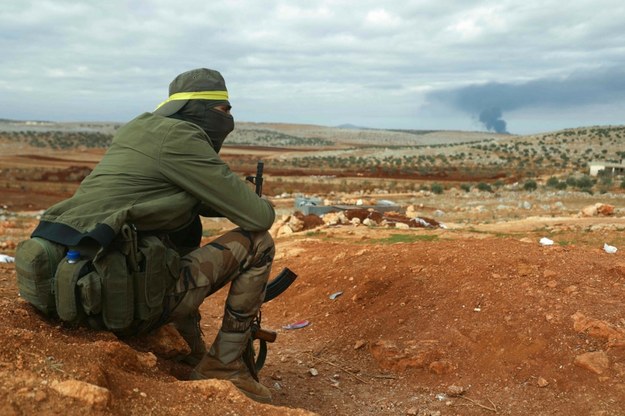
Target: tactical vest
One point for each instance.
(120, 288)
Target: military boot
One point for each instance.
(189, 329)
(224, 362)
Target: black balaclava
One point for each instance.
(216, 124)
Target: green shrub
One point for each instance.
(530, 185)
(553, 182)
(437, 188)
(585, 182)
(482, 186)
(467, 187)
(623, 184)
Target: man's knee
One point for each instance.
(263, 241)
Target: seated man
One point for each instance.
(161, 172)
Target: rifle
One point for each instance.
(258, 179)
(274, 288)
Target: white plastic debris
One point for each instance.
(546, 242)
(609, 249)
(6, 259)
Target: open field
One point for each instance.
(476, 318)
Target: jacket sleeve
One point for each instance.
(187, 160)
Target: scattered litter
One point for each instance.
(609, 249)
(441, 397)
(335, 295)
(546, 242)
(6, 259)
(297, 325)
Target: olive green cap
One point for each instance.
(197, 84)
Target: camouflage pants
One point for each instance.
(238, 257)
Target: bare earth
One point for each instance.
(475, 319)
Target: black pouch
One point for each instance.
(36, 261)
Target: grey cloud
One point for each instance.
(64, 59)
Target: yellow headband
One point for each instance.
(197, 95)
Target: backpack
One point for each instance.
(118, 288)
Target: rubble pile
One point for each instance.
(297, 221)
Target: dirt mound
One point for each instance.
(463, 326)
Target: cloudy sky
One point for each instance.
(519, 66)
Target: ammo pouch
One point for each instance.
(36, 260)
(121, 288)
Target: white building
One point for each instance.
(614, 169)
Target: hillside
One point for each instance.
(314, 150)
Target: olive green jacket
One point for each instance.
(158, 174)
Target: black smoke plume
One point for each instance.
(488, 101)
(491, 118)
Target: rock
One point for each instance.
(455, 391)
(95, 396)
(166, 342)
(597, 209)
(273, 231)
(359, 344)
(355, 221)
(295, 224)
(416, 354)
(596, 328)
(402, 226)
(285, 230)
(368, 222)
(542, 382)
(441, 367)
(605, 209)
(596, 362)
(313, 372)
(589, 211)
(147, 360)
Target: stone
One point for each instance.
(401, 226)
(441, 367)
(95, 396)
(147, 360)
(359, 344)
(596, 362)
(455, 391)
(295, 224)
(285, 230)
(414, 354)
(542, 382)
(596, 328)
(165, 342)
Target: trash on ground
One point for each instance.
(609, 249)
(335, 295)
(6, 259)
(297, 325)
(546, 242)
